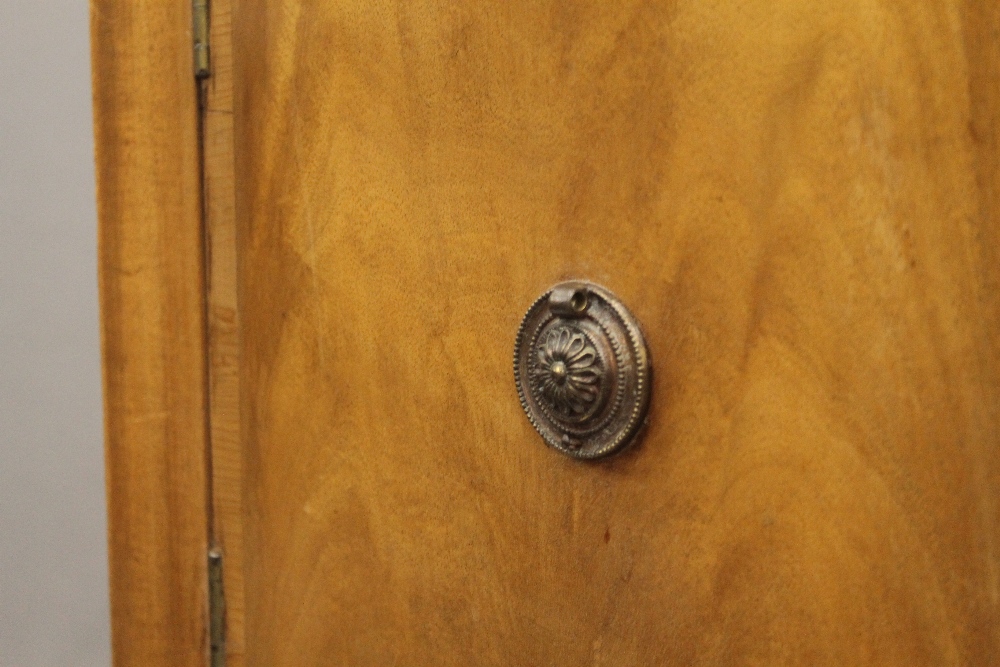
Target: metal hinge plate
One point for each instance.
(199, 12)
(216, 609)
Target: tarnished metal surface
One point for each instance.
(582, 370)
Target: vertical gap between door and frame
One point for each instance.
(223, 457)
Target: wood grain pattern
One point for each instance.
(153, 330)
(223, 322)
(797, 199)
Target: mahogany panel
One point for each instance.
(798, 201)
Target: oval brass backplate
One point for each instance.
(582, 370)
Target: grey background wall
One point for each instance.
(53, 556)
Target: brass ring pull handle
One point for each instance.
(582, 370)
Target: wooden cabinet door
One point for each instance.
(799, 203)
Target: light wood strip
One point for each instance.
(223, 321)
(151, 278)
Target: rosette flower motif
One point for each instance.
(569, 372)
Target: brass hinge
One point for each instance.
(199, 12)
(216, 609)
